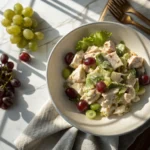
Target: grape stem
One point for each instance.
(7, 82)
(4, 68)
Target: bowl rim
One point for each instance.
(48, 61)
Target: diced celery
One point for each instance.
(107, 81)
(118, 98)
(126, 56)
(141, 91)
(122, 90)
(120, 93)
(136, 86)
(116, 85)
(99, 59)
(106, 65)
(89, 83)
(121, 49)
(104, 73)
(124, 62)
(132, 72)
(96, 79)
(96, 76)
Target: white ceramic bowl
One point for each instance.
(106, 126)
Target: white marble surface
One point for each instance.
(56, 18)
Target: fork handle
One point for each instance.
(140, 27)
(142, 17)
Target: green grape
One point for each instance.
(5, 22)
(34, 23)
(14, 29)
(18, 19)
(39, 35)
(8, 13)
(66, 73)
(23, 43)
(18, 8)
(27, 22)
(27, 12)
(28, 34)
(15, 39)
(95, 106)
(33, 45)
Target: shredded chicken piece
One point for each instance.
(109, 47)
(78, 75)
(135, 62)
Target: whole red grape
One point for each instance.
(101, 86)
(10, 65)
(89, 61)
(144, 79)
(15, 83)
(71, 93)
(7, 101)
(69, 57)
(4, 58)
(24, 56)
(82, 105)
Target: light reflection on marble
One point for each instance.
(56, 18)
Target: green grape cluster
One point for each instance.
(21, 26)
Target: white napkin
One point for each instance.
(49, 131)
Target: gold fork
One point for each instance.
(126, 7)
(124, 18)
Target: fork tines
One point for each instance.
(120, 2)
(113, 8)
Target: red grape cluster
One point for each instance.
(7, 82)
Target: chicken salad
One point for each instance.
(104, 78)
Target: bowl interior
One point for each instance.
(105, 126)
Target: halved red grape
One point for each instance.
(82, 105)
(69, 57)
(144, 79)
(89, 61)
(10, 65)
(4, 58)
(24, 57)
(101, 87)
(71, 93)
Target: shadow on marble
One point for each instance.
(1, 13)
(59, 5)
(32, 3)
(7, 143)
(40, 57)
(20, 107)
(3, 122)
